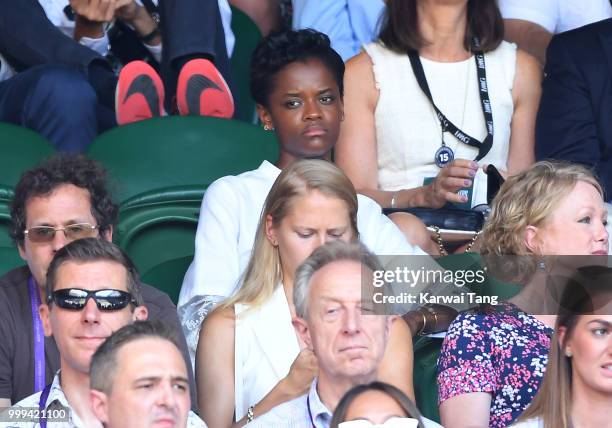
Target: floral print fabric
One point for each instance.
(496, 349)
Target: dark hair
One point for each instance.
(93, 250)
(400, 27)
(280, 49)
(104, 360)
(405, 403)
(58, 170)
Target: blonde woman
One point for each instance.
(577, 388)
(249, 358)
(493, 359)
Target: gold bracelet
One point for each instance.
(424, 322)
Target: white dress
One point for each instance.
(265, 347)
(408, 132)
(529, 423)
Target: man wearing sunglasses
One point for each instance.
(62, 200)
(92, 291)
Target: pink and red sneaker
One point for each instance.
(202, 91)
(139, 94)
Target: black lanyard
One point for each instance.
(483, 147)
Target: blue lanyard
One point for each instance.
(42, 406)
(309, 411)
(39, 337)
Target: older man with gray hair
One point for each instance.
(336, 321)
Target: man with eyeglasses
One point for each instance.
(92, 290)
(62, 200)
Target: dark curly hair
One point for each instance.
(280, 49)
(58, 170)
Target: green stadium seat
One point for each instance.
(247, 36)
(5, 217)
(157, 230)
(178, 151)
(426, 351)
(21, 149)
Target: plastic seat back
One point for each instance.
(179, 151)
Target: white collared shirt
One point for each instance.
(300, 412)
(303, 412)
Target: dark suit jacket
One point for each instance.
(575, 118)
(28, 38)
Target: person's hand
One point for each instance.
(453, 177)
(126, 10)
(502, 172)
(94, 10)
(303, 370)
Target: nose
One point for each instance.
(312, 110)
(59, 240)
(165, 395)
(91, 313)
(320, 240)
(601, 232)
(352, 321)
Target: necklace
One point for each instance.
(444, 155)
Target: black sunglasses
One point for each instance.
(76, 299)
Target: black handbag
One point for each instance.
(445, 218)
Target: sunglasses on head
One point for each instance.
(76, 299)
(72, 232)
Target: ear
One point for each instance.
(108, 234)
(388, 323)
(140, 313)
(532, 239)
(264, 116)
(561, 334)
(99, 405)
(301, 328)
(271, 231)
(21, 250)
(45, 316)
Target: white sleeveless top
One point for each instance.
(408, 132)
(265, 347)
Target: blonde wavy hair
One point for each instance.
(526, 199)
(263, 273)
